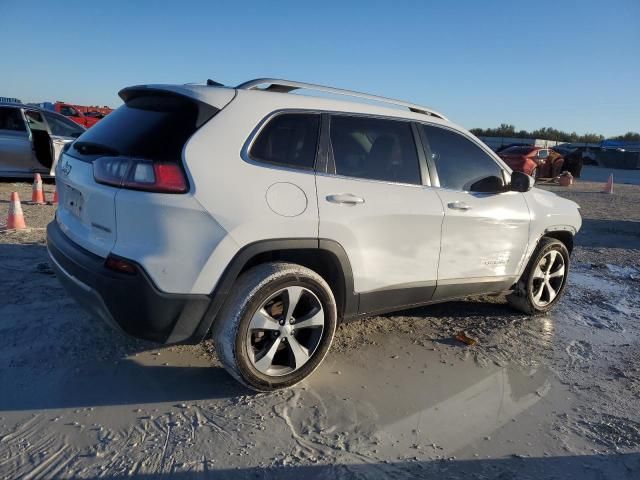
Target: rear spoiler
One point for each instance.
(209, 100)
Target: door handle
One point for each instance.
(345, 199)
(459, 206)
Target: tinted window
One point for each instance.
(374, 148)
(459, 162)
(62, 127)
(543, 153)
(11, 119)
(154, 127)
(289, 139)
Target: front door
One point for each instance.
(484, 235)
(372, 201)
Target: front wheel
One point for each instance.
(544, 280)
(276, 327)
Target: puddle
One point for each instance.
(428, 400)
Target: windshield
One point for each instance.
(60, 126)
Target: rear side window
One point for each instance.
(153, 127)
(459, 162)
(290, 139)
(374, 148)
(11, 119)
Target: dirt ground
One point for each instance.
(554, 396)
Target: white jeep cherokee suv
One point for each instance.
(268, 217)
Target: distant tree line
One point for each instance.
(548, 133)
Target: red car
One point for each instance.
(538, 162)
(72, 113)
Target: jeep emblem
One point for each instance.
(66, 168)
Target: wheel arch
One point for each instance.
(325, 257)
(564, 236)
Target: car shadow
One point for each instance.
(619, 466)
(603, 233)
(125, 382)
(54, 355)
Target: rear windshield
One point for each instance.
(154, 127)
(517, 150)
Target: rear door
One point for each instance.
(484, 233)
(16, 154)
(372, 201)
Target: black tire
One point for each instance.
(523, 297)
(252, 289)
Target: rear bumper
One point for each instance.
(131, 303)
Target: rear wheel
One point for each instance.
(544, 280)
(276, 327)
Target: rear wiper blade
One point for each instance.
(92, 148)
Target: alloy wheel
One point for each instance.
(548, 278)
(285, 331)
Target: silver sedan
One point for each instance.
(31, 139)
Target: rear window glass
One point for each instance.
(289, 139)
(11, 119)
(517, 150)
(154, 127)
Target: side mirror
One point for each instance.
(492, 184)
(521, 182)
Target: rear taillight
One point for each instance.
(138, 174)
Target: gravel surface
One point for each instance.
(553, 396)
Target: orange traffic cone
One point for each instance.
(608, 188)
(54, 200)
(15, 219)
(38, 195)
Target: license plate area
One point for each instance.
(74, 201)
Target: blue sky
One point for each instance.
(573, 65)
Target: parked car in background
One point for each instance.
(31, 139)
(72, 113)
(504, 147)
(82, 115)
(537, 162)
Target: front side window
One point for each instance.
(374, 148)
(11, 119)
(62, 127)
(290, 140)
(460, 163)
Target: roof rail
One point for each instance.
(286, 86)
